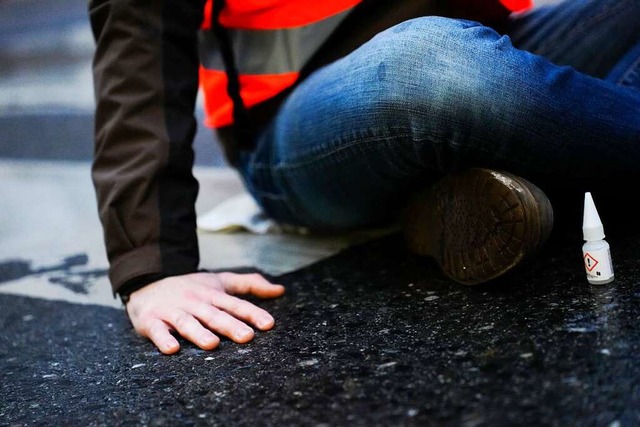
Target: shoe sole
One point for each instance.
(478, 224)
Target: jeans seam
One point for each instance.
(628, 75)
(323, 154)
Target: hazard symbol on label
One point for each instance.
(590, 262)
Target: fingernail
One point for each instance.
(206, 340)
(243, 334)
(265, 322)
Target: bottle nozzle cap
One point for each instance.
(592, 228)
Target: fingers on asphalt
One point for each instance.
(158, 332)
(223, 323)
(189, 327)
(255, 284)
(244, 310)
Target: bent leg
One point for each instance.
(427, 97)
(627, 71)
(589, 35)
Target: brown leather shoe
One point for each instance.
(478, 224)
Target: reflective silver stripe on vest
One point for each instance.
(269, 51)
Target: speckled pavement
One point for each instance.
(370, 336)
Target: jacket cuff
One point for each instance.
(144, 265)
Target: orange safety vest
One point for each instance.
(271, 42)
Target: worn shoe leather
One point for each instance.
(478, 224)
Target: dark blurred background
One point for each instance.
(46, 93)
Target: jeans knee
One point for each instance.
(433, 33)
(431, 26)
(435, 61)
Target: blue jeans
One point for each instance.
(556, 101)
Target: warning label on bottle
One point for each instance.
(598, 265)
(590, 262)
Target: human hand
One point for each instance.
(198, 306)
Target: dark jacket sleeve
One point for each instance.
(145, 71)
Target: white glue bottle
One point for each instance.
(595, 252)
